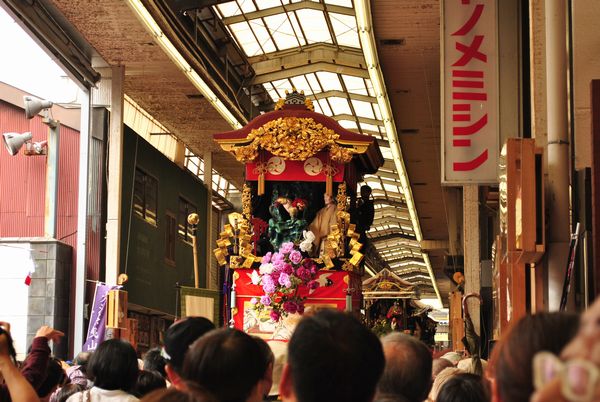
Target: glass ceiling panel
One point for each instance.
(262, 35)
(344, 27)
(355, 85)
(314, 26)
(348, 124)
(229, 9)
(343, 3)
(325, 107)
(314, 83)
(386, 152)
(281, 86)
(329, 81)
(282, 32)
(339, 105)
(247, 6)
(363, 109)
(245, 38)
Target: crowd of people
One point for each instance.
(330, 357)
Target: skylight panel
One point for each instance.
(377, 112)
(391, 188)
(245, 38)
(386, 152)
(369, 87)
(329, 81)
(247, 6)
(229, 9)
(343, 3)
(345, 29)
(371, 128)
(363, 109)
(301, 84)
(281, 86)
(314, 26)
(264, 4)
(355, 85)
(318, 107)
(348, 124)
(325, 106)
(282, 32)
(339, 105)
(314, 83)
(262, 35)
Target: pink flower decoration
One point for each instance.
(288, 269)
(313, 285)
(265, 300)
(267, 258)
(290, 307)
(254, 300)
(284, 280)
(286, 248)
(275, 315)
(295, 257)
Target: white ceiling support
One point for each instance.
(367, 39)
(342, 94)
(311, 5)
(299, 57)
(309, 68)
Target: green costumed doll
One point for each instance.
(287, 222)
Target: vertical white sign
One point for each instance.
(470, 92)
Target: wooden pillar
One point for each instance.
(595, 89)
(115, 167)
(208, 224)
(472, 250)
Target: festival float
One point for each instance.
(295, 246)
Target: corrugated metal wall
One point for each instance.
(23, 181)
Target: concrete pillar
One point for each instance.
(558, 148)
(50, 213)
(115, 167)
(471, 249)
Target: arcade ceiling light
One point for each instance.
(367, 40)
(177, 58)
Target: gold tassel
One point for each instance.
(261, 183)
(329, 184)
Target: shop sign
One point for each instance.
(470, 135)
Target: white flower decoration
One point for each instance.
(307, 244)
(255, 277)
(266, 268)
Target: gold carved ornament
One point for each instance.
(292, 138)
(239, 235)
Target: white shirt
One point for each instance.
(96, 394)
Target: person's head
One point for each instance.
(173, 394)
(441, 379)
(67, 390)
(154, 361)
(55, 376)
(82, 359)
(148, 381)
(438, 365)
(328, 199)
(267, 353)
(464, 387)
(365, 192)
(407, 367)
(178, 338)
(512, 358)
(223, 354)
(331, 357)
(114, 365)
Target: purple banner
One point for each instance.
(97, 327)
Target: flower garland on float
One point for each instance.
(282, 274)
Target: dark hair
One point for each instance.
(147, 382)
(67, 390)
(114, 365)
(11, 347)
(221, 355)
(172, 394)
(55, 375)
(333, 357)
(267, 353)
(512, 357)
(180, 335)
(82, 359)
(407, 367)
(464, 387)
(153, 360)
